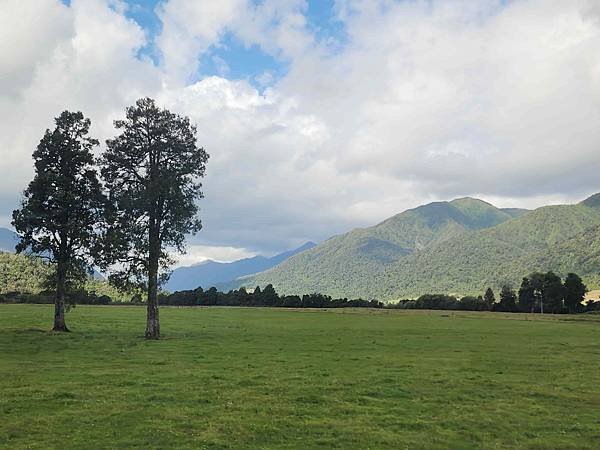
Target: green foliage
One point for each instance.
(575, 292)
(489, 298)
(508, 300)
(472, 303)
(527, 296)
(152, 170)
(23, 274)
(267, 297)
(553, 293)
(353, 263)
(62, 205)
(249, 378)
(480, 214)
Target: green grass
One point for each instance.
(266, 378)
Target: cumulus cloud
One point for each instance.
(463, 96)
(189, 29)
(422, 101)
(198, 253)
(81, 58)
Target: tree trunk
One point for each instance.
(152, 321)
(59, 301)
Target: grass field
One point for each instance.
(273, 378)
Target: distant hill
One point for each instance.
(8, 240)
(212, 273)
(458, 247)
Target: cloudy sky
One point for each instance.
(320, 115)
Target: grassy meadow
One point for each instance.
(295, 379)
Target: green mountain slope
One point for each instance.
(492, 257)
(580, 253)
(514, 212)
(458, 247)
(348, 264)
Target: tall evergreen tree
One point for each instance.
(152, 170)
(489, 298)
(508, 299)
(575, 292)
(62, 205)
(269, 296)
(554, 293)
(537, 280)
(526, 296)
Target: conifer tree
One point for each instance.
(152, 170)
(575, 292)
(62, 206)
(489, 298)
(526, 296)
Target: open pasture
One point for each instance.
(274, 378)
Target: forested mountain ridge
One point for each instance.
(494, 256)
(458, 247)
(339, 264)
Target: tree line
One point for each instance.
(262, 297)
(119, 212)
(538, 293)
(267, 297)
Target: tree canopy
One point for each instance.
(62, 206)
(152, 171)
(575, 292)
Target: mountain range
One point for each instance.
(212, 273)
(459, 247)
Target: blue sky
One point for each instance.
(233, 59)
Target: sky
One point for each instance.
(322, 115)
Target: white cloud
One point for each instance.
(500, 96)
(27, 37)
(424, 101)
(199, 253)
(189, 29)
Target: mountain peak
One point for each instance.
(592, 201)
(471, 201)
